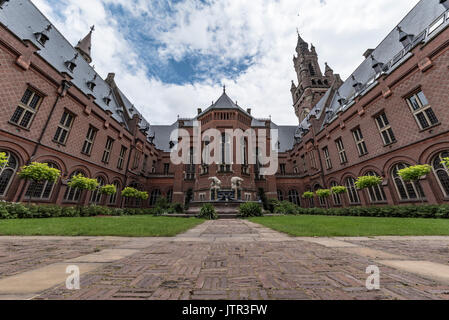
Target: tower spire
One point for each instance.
(84, 46)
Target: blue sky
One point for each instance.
(172, 57)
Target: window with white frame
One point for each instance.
(121, 157)
(336, 197)
(385, 129)
(64, 127)
(376, 193)
(341, 151)
(89, 141)
(73, 194)
(441, 171)
(422, 110)
(406, 190)
(26, 109)
(95, 197)
(293, 197)
(353, 194)
(8, 172)
(327, 158)
(360, 141)
(113, 197)
(107, 150)
(41, 190)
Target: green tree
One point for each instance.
(82, 183)
(324, 194)
(3, 160)
(339, 190)
(415, 173)
(368, 182)
(308, 195)
(108, 189)
(130, 192)
(38, 173)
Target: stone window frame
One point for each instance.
(96, 196)
(121, 157)
(327, 158)
(353, 195)
(376, 194)
(64, 127)
(341, 151)
(336, 197)
(89, 140)
(27, 108)
(107, 150)
(72, 195)
(9, 167)
(408, 188)
(45, 187)
(385, 129)
(360, 141)
(113, 197)
(441, 169)
(422, 111)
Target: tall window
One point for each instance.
(304, 163)
(145, 162)
(341, 151)
(113, 197)
(41, 190)
(26, 109)
(377, 193)
(327, 158)
(280, 195)
(323, 201)
(442, 172)
(89, 142)
(385, 129)
(336, 197)
(293, 197)
(422, 111)
(137, 156)
(312, 159)
(360, 141)
(73, 194)
(155, 194)
(7, 173)
(121, 157)
(352, 191)
(95, 197)
(406, 190)
(64, 127)
(225, 149)
(107, 150)
(282, 168)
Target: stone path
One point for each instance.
(225, 259)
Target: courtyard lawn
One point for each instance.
(134, 226)
(327, 226)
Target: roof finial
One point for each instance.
(92, 29)
(224, 88)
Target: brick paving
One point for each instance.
(238, 260)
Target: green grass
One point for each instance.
(327, 226)
(135, 226)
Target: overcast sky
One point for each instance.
(172, 57)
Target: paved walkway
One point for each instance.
(225, 259)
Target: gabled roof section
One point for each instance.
(224, 103)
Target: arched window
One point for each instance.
(406, 190)
(336, 197)
(95, 197)
(73, 194)
(293, 197)
(280, 195)
(155, 194)
(377, 193)
(311, 70)
(441, 171)
(8, 172)
(42, 190)
(322, 200)
(113, 197)
(352, 191)
(170, 195)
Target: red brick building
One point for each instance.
(392, 112)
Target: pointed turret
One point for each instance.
(302, 46)
(84, 46)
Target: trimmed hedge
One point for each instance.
(22, 211)
(408, 211)
(250, 209)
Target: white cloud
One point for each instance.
(230, 30)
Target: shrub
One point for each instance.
(163, 204)
(4, 214)
(69, 212)
(339, 190)
(323, 193)
(108, 189)
(415, 173)
(286, 207)
(208, 212)
(272, 204)
(250, 209)
(177, 208)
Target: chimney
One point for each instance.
(110, 78)
(368, 53)
(200, 111)
(248, 110)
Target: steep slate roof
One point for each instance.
(162, 136)
(225, 103)
(24, 19)
(390, 52)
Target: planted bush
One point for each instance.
(368, 182)
(286, 207)
(339, 190)
(208, 212)
(308, 195)
(250, 209)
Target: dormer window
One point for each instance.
(405, 38)
(42, 37)
(356, 85)
(377, 66)
(2, 2)
(91, 84)
(71, 65)
(107, 100)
